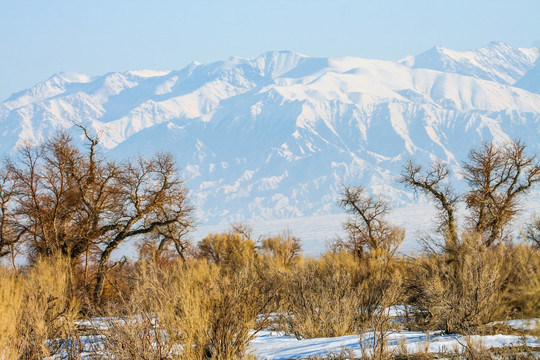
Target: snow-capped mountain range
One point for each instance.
(278, 135)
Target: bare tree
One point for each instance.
(57, 199)
(46, 196)
(434, 183)
(498, 178)
(366, 227)
(151, 200)
(9, 234)
(62, 194)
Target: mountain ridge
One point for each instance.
(277, 135)
(496, 61)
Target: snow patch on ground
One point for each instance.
(276, 346)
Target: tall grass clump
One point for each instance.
(381, 287)
(521, 295)
(38, 312)
(11, 294)
(144, 325)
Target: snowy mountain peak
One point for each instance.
(531, 80)
(496, 61)
(148, 73)
(276, 63)
(275, 136)
(53, 86)
(71, 77)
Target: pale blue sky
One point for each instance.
(41, 37)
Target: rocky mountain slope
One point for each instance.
(276, 136)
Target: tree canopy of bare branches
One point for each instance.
(434, 183)
(498, 177)
(366, 227)
(56, 199)
(9, 236)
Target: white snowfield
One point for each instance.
(276, 137)
(274, 346)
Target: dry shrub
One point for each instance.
(11, 294)
(280, 252)
(338, 294)
(230, 304)
(522, 293)
(232, 250)
(321, 297)
(135, 335)
(118, 284)
(381, 286)
(38, 312)
(192, 311)
(239, 305)
(460, 289)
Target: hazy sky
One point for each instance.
(41, 37)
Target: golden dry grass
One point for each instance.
(37, 310)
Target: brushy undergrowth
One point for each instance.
(196, 310)
(205, 309)
(469, 285)
(38, 311)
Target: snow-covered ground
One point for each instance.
(277, 346)
(270, 345)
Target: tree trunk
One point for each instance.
(103, 268)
